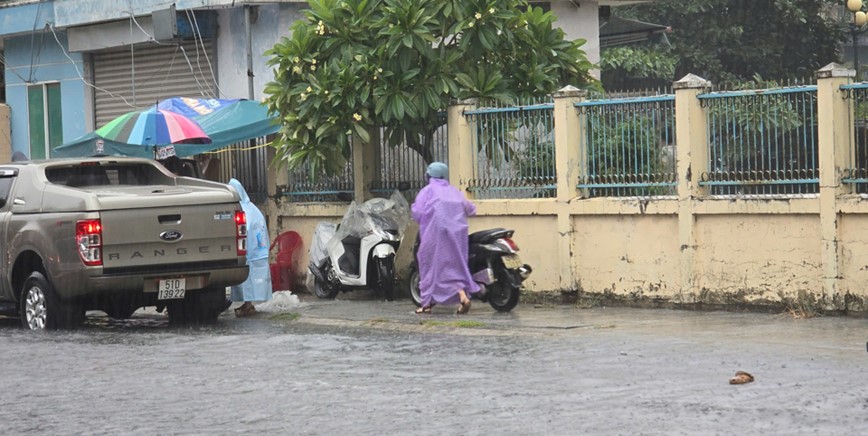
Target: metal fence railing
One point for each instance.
(307, 187)
(402, 166)
(245, 161)
(515, 151)
(630, 147)
(856, 174)
(762, 142)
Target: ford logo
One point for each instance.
(171, 235)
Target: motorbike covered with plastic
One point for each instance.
(360, 251)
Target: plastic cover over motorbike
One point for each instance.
(324, 232)
(378, 214)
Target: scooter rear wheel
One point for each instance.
(503, 294)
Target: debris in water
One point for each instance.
(281, 301)
(741, 378)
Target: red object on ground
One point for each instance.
(287, 244)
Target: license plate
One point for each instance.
(172, 289)
(512, 261)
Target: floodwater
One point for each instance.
(369, 367)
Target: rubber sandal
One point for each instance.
(463, 308)
(423, 311)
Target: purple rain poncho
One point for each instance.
(257, 287)
(441, 211)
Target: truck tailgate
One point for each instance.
(191, 233)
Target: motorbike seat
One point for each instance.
(485, 236)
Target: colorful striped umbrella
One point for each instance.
(153, 127)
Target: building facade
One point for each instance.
(70, 66)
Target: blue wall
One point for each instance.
(39, 58)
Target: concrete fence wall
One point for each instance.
(693, 249)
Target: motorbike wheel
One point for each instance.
(415, 292)
(322, 290)
(503, 294)
(386, 277)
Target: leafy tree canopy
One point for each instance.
(352, 66)
(730, 41)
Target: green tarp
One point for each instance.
(226, 122)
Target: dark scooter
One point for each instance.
(494, 265)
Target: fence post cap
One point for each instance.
(835, 70)
(691, 81)
(568, 91)
(464, 102)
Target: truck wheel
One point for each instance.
(386, 277)
(197, 307)
(41, 308)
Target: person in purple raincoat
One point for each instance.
(441, 211)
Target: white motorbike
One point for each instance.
(360, 252)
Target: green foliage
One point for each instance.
(639, 62)
(351, 66)
(728, 41)
(625, 148)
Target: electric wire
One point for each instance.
(11, 69)
(171, 62)
(228, 149)
(205, 52)
(33, 41)
(202, 90)
(80, 76)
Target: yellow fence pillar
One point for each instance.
(461, 145)
(571, 162)
(691, 137)
(570, 144)
(834, 142)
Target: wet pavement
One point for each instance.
(360, 366)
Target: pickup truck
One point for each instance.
(115, 234)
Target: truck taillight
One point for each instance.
(241, 232)
(88, 238)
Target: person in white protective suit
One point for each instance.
(257, 287)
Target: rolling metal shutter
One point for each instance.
(160, 71)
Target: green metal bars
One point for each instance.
(856, 174)
(762, 142)
(515, 152)
(402, 165)
(631, 147)
(307, 187)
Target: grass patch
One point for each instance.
(378, 321)
(285, 316)
(458, 324)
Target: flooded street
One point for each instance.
(370, 367)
